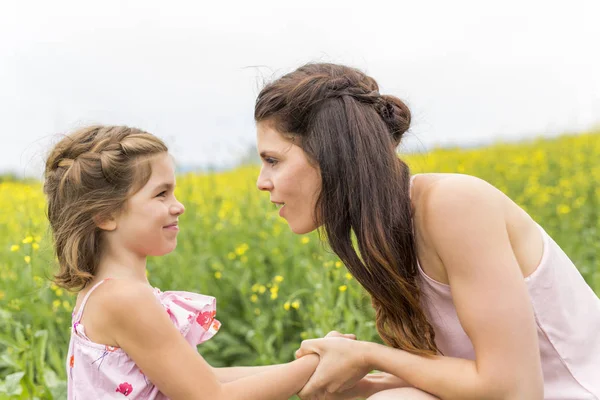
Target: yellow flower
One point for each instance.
(274, 292)
(59, 292)
(55, 304)
(305, 240)
(278, 279)
(28, 239)
(27, 259)
(37, 238)
(296, 304)
(286, 305)
(218, 275)
(303, 335)
(338, 264)
(35, 246)
(343, 288)
(241, 249)
(255, 287)
(563, 209)
(348, 275)
(254, 298)
(262, 289)
(66, 305)
(2, 294)
(231, 256)
(14, 247)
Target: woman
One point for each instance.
(472, 296)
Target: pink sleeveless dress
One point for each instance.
(567, 314)
(97, 371)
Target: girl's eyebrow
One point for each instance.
(164, 186)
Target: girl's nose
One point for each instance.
(177, 208)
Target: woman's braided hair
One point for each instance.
(351, 131)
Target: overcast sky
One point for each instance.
(471, 71)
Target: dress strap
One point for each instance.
(79, 314)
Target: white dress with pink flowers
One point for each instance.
(97, 371)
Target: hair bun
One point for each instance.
(395, 114)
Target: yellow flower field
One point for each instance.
(273, 288)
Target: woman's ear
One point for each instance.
(105, 223)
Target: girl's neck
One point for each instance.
(121, 265)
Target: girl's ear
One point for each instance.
(105, 223)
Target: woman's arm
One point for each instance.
(377, 382)
(373, 383)
(142, 328)
(465, 222)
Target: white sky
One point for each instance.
(189, 71)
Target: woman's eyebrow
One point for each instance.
(267, 153)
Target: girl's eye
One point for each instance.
(162, 194)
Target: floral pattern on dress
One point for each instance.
(103, 371)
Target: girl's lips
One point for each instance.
(172, 227)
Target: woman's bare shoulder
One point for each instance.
(444, 191)
(439, 198)
(448, 207)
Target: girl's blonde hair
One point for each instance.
(88, 178)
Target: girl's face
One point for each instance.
(148, 225)
(293, 182)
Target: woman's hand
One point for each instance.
(343, 335)
(341, 366)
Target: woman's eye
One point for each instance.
(270, 160)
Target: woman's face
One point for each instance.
(293, 182)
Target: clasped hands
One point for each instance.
(341, 368)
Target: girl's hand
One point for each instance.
(341, 366)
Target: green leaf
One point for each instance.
(40, 349)
(12, 384)
(59, 391)
(50, 378)
(6, 359)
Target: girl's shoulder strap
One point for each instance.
(79, 314)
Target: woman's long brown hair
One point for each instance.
(351, 132)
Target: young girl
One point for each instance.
(473, 297)
(111, 205)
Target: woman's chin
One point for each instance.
(301, 230)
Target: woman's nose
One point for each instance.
(264, 183)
